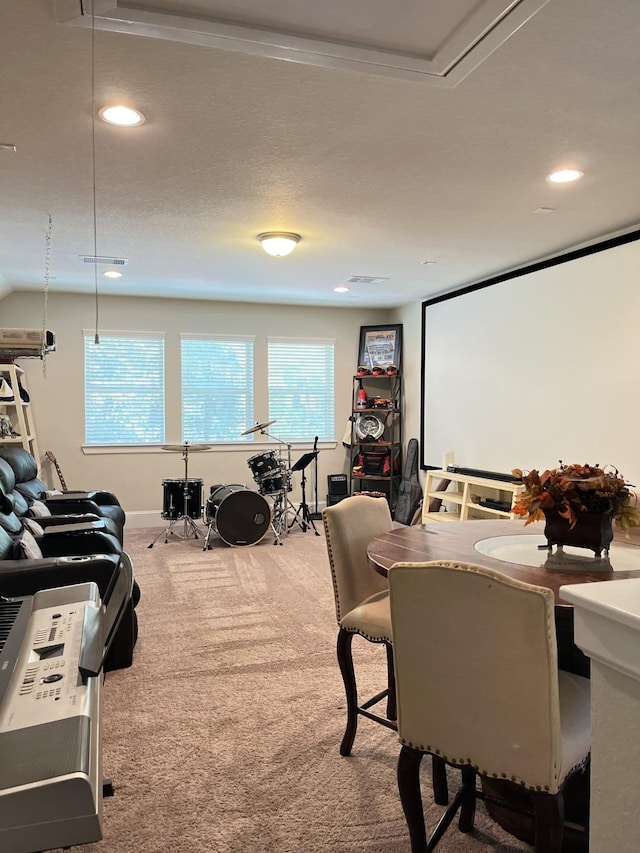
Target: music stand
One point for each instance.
(303, 517)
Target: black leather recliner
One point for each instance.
(74, 536)
(12, 502)
(27, 488)
(56, 541)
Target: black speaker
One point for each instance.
(337, 485)
(332, 500)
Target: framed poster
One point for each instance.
(380, 346)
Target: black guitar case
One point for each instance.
(410, 491)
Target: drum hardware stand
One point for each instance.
(279, 516)
(315, 515)
(281, 504)
(302, 516)
(190, 528)
(210, 528)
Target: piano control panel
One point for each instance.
(46, 683)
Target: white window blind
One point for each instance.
(124, 389)
(301, 388)
(217, 388)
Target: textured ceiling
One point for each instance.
(438, 154)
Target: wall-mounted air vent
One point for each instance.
(101, 259)
(365, 279)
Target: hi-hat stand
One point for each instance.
(189, 527)
(302, 515)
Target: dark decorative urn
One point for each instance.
(592, 530)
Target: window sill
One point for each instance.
(225, 447)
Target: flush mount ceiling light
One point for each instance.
(279, 243)
(341, 289)
(565, 176)
(112, 274)
(121, 116)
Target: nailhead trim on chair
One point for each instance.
(367, 637)
(490, 774)
(333, 573)
(337, 599)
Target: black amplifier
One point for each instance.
(338, 484)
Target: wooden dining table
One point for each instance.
(510, 547)
(514, 549)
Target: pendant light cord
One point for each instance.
(47, 270)
(96, 339)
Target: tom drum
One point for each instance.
(272, 484)
(263, 464)
(239, 516)
(173, 496)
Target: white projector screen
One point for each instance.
(538, 368)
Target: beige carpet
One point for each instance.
(224, 734)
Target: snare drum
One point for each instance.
(173, 498)
(262, 464)
(239, 516)
(279, 481)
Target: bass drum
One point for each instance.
(239, 516)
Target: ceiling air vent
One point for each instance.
(102, 259)
(365, 279)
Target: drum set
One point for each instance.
(237, 514)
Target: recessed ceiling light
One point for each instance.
(341, 289)
(428, 263)
(112, 274)
(545, 210)
(121, 116)
(565, 176)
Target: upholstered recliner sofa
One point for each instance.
(19, 480)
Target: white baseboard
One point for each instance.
(145, 518)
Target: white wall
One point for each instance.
(411, 318)
(136, 477)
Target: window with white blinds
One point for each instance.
(217, 388)
(301, 378)
(124, 389)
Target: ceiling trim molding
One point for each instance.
(469, 44)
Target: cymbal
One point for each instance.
(192, 448)
(257, 427)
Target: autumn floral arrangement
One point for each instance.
(573, 489)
